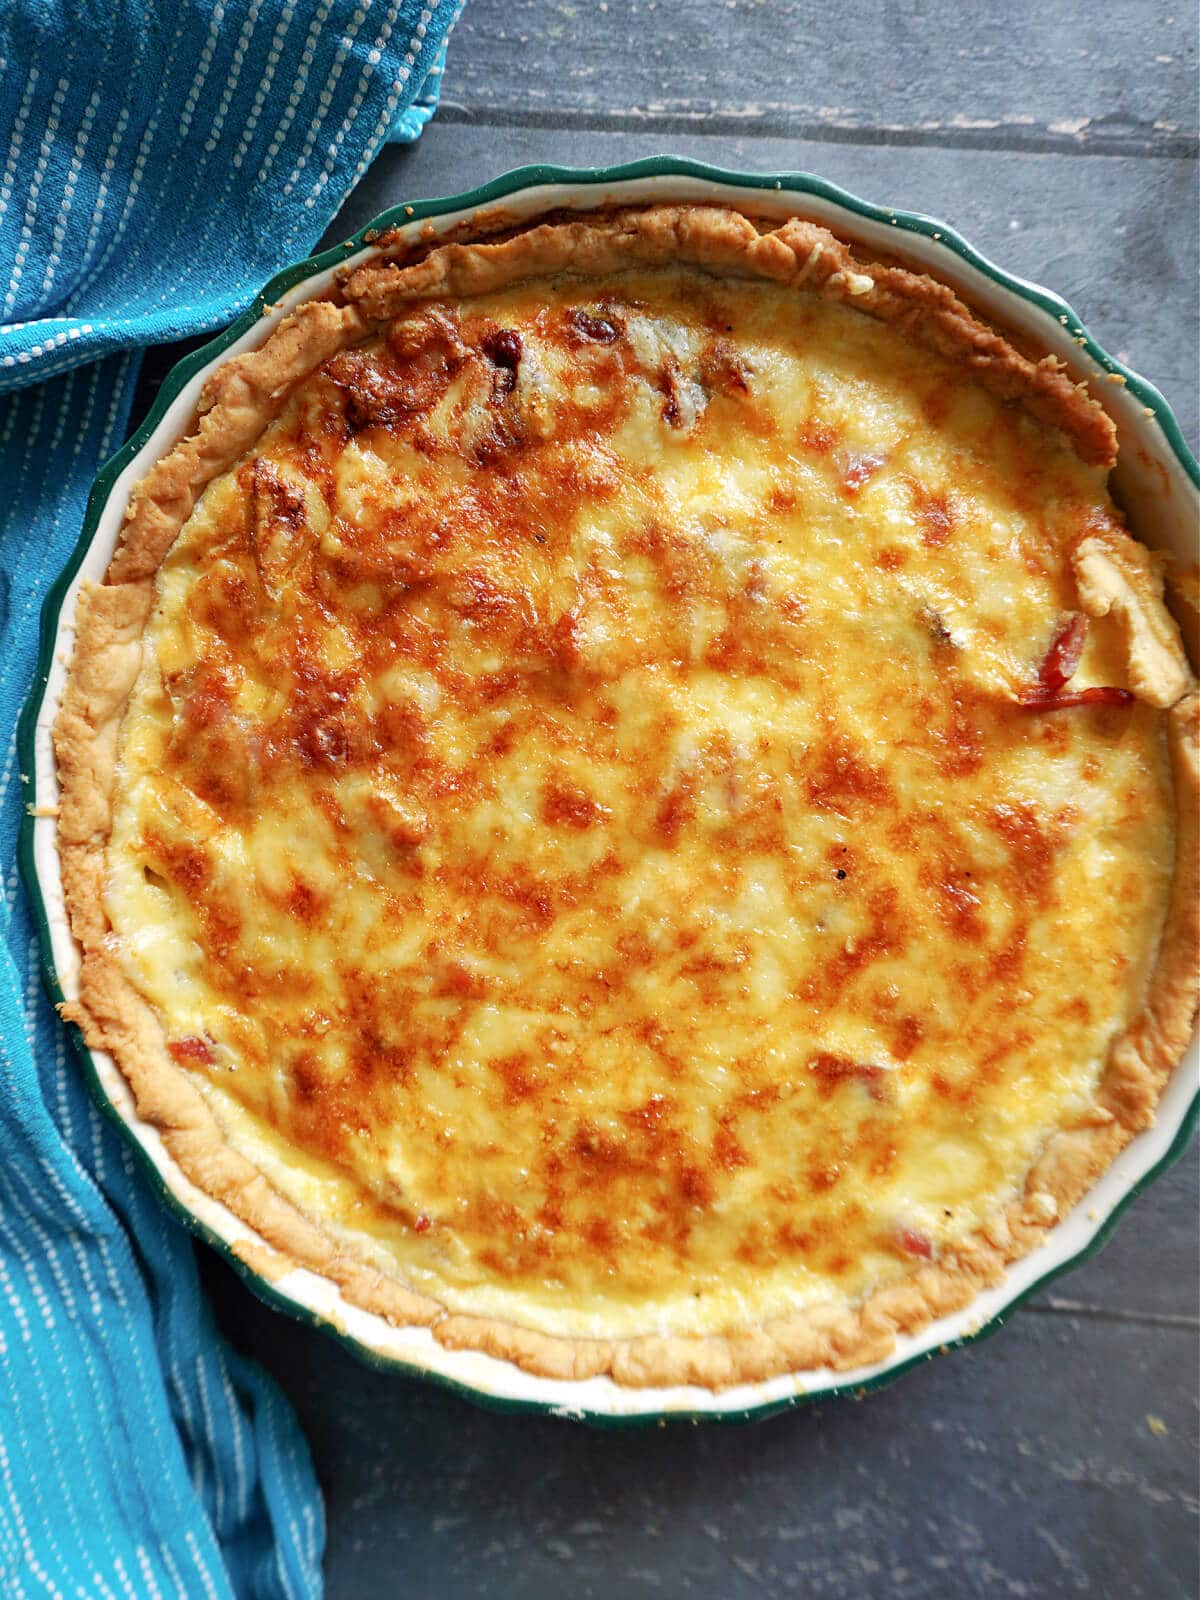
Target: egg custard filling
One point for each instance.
(643, 787)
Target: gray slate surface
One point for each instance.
(1113, 78)
(1061, 140)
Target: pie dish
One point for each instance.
(585, 784)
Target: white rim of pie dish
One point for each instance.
(1161, 481)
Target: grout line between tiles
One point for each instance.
(1056, 1307)
(1138, 142)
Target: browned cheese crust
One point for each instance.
(239, 400)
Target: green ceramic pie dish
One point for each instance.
(1158, 485)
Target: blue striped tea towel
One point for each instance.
(158, 162)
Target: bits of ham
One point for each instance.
(1064, 654)
(858, 469)
(1058, 667)
(1100, 695)
(192, 1048)
(914, 1243)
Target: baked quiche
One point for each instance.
(627, 796)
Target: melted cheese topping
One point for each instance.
(576, 822)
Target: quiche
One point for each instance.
(628, 797)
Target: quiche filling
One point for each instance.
(623, 814)
(626, 798)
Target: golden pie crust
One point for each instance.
(1115, 577)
